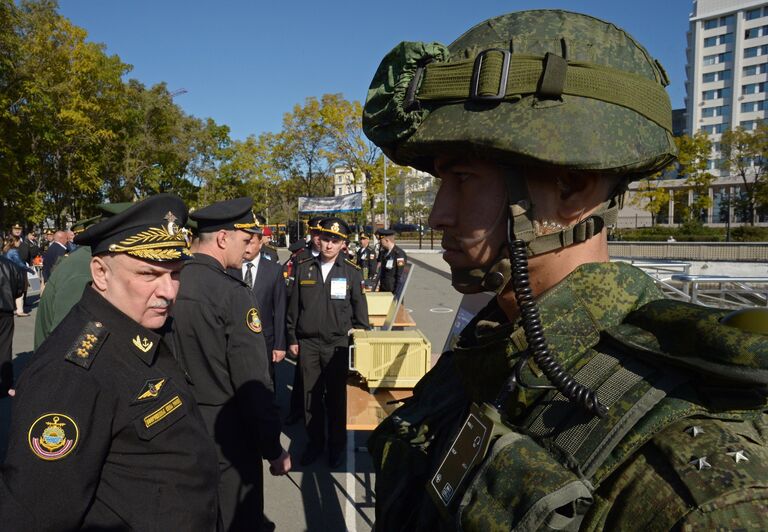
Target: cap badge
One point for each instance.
(172, 228)
(53, 436)
(143, 345)
(335, 227)
(253, 320)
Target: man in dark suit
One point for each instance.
(265, 277)
(56, 250)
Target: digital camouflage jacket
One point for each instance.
(683, 445)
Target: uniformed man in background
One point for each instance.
(219, 338)
(327, 302)
(69, 279)
(579, 398)
(392, 260)
(105, 432)
(310, 249)
(366, 257)
(268, 250)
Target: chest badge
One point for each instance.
(151, 389)
(143, 345)
(53, 436)
(253, 320)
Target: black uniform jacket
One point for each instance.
(13, 280)
(366, 258)
(52, 255)
(270, 253)
(218, 334)
(106, 434)
(312, 311)
(272, 298)
(391, 269)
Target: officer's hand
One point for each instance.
(280, 465)
(294, 350)
(278, 355)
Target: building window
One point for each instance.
(709, 112)
(718, 58)
(711, 23)
(749, 107)
(755, 51)
(748, 125)
(760, 31)
(714, 129)
(752, 14)
(720, 75)
(715, 94)
(753, 88)
(754, 70)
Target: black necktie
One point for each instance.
(248, 276)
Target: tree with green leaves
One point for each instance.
(692, 159)
(745, 154)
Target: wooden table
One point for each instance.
(365, 410)
(402, 319)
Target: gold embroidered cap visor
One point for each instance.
(227, 215)
(334, 227)
(149, 230)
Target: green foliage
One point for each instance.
(748, 233)
(745, 154)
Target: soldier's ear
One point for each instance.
(99, 273)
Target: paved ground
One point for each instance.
(316, 498)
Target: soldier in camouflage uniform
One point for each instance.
(579, 398)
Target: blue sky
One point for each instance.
(245, 63)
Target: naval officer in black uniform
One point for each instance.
(219, 335)
(106, 434)
(327, 302)
(392, 260)
(366, 257)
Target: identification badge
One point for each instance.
(338, 288)
(389, 264)
(466, 452)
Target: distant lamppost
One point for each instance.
(386, 215)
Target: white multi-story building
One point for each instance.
(726, 86)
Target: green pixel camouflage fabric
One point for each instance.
(651, 480)
(574, 132)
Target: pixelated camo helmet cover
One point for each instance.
(533, 87)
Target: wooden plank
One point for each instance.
(365, 410)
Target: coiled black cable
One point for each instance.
(537, 343)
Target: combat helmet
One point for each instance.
(531, 88)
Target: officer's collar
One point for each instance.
(207, 260)
(123, 330)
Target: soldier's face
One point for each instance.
(142, 290)
(330, 247)
(316, 240)
(470, 209)
(253, 248)
(237, 242)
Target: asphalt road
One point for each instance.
(316, 498)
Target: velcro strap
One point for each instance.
(452, 82)
(553, 79)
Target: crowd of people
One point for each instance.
(208, 308)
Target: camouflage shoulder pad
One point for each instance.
(355, 266)
(695, 338)
(722, 462)
(87, 344)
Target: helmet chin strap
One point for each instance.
(497, 274)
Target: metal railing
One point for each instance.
(723, 291)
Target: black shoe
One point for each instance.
(310, 455)
(293, 418)
(336, 459)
